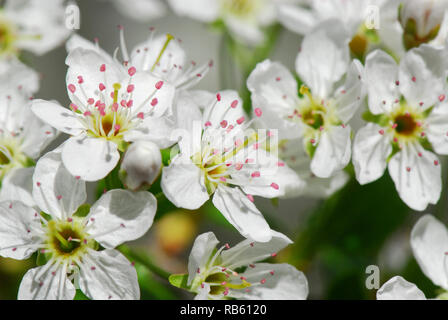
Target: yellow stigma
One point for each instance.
(169, 37)
(117, 88)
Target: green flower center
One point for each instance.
(67, 239)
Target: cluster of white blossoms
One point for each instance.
(297, 140)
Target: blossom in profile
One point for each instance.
(236, 272)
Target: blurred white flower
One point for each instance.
(319, 116)
(213, 273)
(223, 157)
(244, 19)
(112, 103)
(141, 165)
(22, 135)
(69, 242)
(33, 25)
(409, 120)
(429, 242)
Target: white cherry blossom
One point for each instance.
(409, 124)
(70, 242)
(112, 103)
(222, 157)
(331, 93)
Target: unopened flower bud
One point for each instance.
(141, 165)
(421, 21)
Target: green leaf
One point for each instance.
(179, 281)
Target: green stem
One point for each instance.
(143, 259)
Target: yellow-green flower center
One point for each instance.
(67, 239)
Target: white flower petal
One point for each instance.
(87, 63)
(370, 152)
(120, 216)
(241, 213)
(350, 97)
(108, 275)
(156, 130)
(16, 219)
(90, 158)
(417, 178)
(437, 128)
(248, 251)
(381, 75)
(145, 95)
(296, 18)
(423, 73)
(203, 292)
(53, 284)
(202, 250)
(286, 282)
(37, 135)
(55, 190)
(15, 74)
(222, 110)
(324, 57)
(57, 116)
(183, 184)
(274, 91)
(398, 288)
(429, 242)
(333, 151)
(18, 185)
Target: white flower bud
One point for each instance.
(421, 20)
(141, 165)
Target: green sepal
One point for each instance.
(123, 145)
(166, 156)
(42, 258)
(82, 211)
(179, 281)
(274, 202)
(380, 119)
